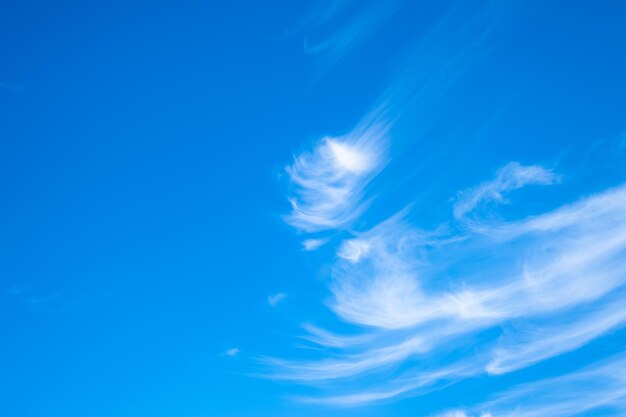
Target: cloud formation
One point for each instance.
(508, 178)
(330, 35)
(530, 345)
(232, 352)
(601, 386)
(328, 183)
(275, 299)
(313, 244)
(554, 265)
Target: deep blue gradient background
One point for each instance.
(142, 147)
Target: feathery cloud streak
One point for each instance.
(332, 40)
(599, 386)
(510, 177)
(520, 349)
(329, 182)
(275, 299)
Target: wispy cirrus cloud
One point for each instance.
(313, 244)
(232, 352)
(329, 182)
(375, 281)
(601, 386)
(460, 413)
(533, 343)
(322, 337)
(335, 27)
(275, 299)
(508, 178)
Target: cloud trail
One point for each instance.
(508, 178)
(331, 35)
(313, 244)
(599, 386)
(528, 346)
(322, 337)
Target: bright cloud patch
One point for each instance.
(313, 244)
(329, 182)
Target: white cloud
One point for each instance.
(325, 338)
(275, 299)
(347, 365)
(313, 244)
(601, 386)
(456, 413)
(332, 40)
(529, 345)
(232, 352)
(420, 382)
(508, 178)
(375, 282)
(461, 413)
(329, 182)
(354, 249)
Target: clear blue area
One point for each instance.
(142, 155)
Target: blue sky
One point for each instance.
(347, 208)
